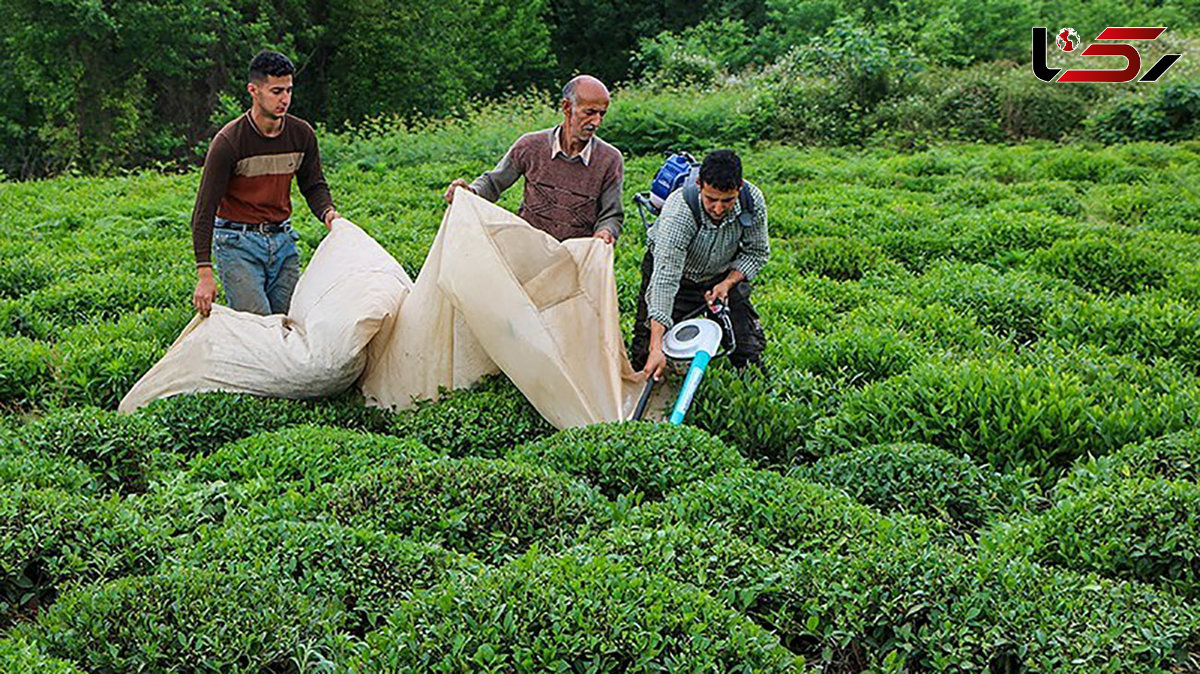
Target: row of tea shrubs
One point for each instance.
(317, 547)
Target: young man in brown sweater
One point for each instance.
(243, 209)
(572, 178)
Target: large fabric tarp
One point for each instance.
(494, 294)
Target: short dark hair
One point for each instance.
(270, 63)
(722, 169)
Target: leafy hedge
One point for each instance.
(834, 257)
(1150, 326)
(1039, 416)
(25, 274)
(769, 416)
(19, 656)
(1013, 304)
(1170, 112)
(923, 480)
(1145, 529)
(743, 576)
(201, 423)
(98, 370)
(463, 423)
(916, 606)
(28, 467)
(25, 367)
(1001, 238)
(1172, 457)
(936, 325)
(854, 355)
(367, 574)
(304, 457)
(18, 319)
(125, 452)
(185, 621)
(1102, 265)
(780, 514)
(106, 295)
(51, 540)
(633, 459)
(547, 614)
(495, 509)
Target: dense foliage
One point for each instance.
(97, 87)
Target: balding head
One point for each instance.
(584, 103)
(584, 88)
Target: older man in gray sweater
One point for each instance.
(573, 178)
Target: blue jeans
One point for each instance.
(258, 271)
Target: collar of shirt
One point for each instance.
(282, 125)
(556, 147)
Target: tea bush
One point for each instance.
(922, 606)
(367, 574)
(201, 423)
(98, 370)
(25, 367)
(1148, 325)
(462, 423)
(542, 613)
(53, 541)
(922, 480)
(1172, 457)
(826, 623)
(737, 573)
(304, 457)
(837, 258)
(1013, 304)
(20, 276)
(1038, 417)
(1102, 265)
(780, 514)
(1055, 620)
(1140, 528)
(19, 656)
(1002, 238)
(20, 465)
(634, 459)
(768, 416)
(125, 452)
(108, 295)
(935, 325)
(492, 508)
(853, 356)
(185, 621)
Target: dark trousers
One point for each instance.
(747, 328)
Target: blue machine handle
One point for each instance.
(690, 384)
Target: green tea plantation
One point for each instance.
(975, 448)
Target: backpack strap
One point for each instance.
(747, 215)
(691, 195)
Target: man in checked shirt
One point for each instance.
(704, 252)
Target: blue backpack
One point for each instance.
(681, 170)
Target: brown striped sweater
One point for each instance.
(248, 178)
